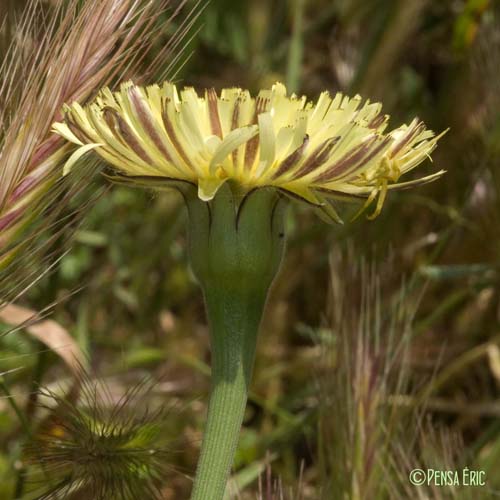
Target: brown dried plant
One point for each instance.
(59, 54)
(365, 364)
(373, 429)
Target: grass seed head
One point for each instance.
(58, 55)
(101, 447)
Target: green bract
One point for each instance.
(236, 238)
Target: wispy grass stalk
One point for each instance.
(368, 441)
(365, 363)
(61, 54)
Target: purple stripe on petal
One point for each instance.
(173, 137)
(260, 106)
(147, 122)
(234, 125)
(236, 114)
(377, 121)
(253, 144)
(411, 134)
(109, 115)
(372, 153)
(351, 159)
(251, 151)
(213, 113)
(292, 159)
(131, 140)
(318, 157)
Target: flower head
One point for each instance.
(334, 148)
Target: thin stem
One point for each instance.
(296, 47)
(21, 474)
(17, 410)
(40, 367)
(234, 322)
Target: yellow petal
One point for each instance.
(267, 141)
(232, 141)
(63, 130)
(207, 187)
(77, 155)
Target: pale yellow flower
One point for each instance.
(334, 148)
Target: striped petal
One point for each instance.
(336, 147)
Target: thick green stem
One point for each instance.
(236, 246)
(234, 324)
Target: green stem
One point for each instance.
(236, 245)
(12, 402)
(234, 323)
(21, 473)
(296, 49)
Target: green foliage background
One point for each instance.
(140, 312)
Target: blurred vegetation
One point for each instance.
(137, 311)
